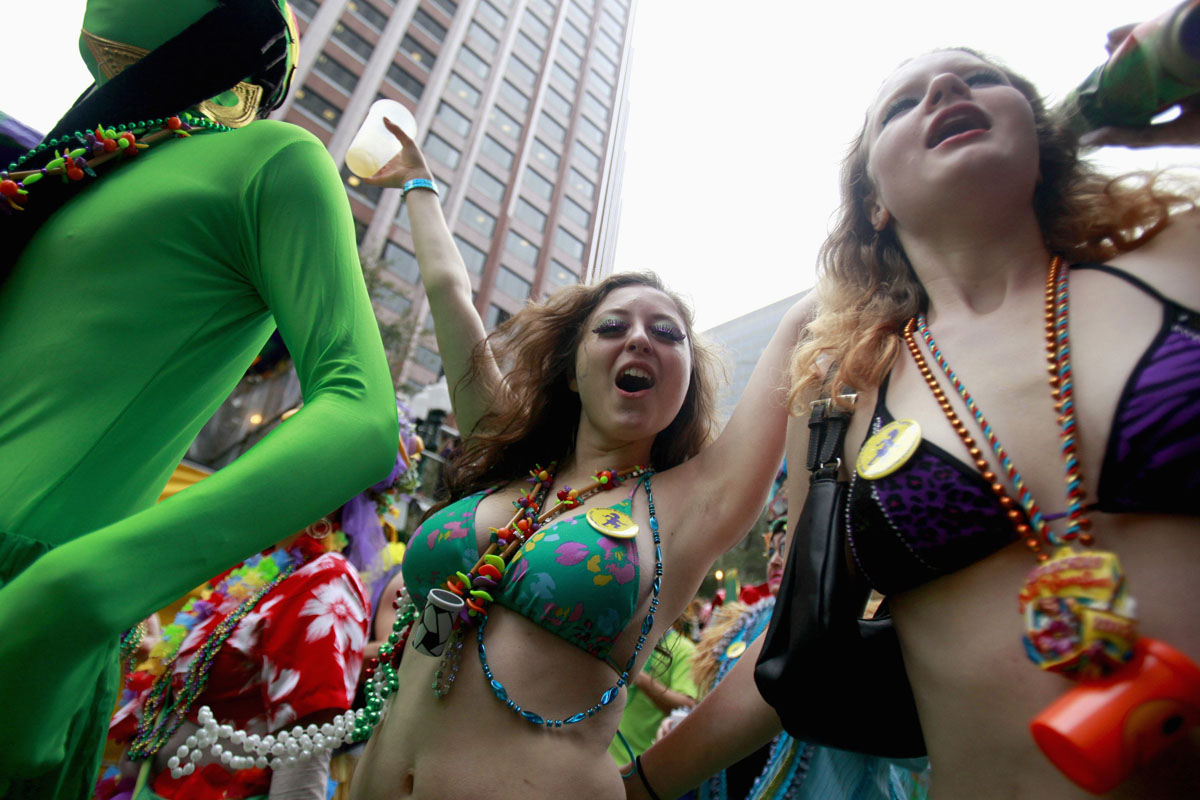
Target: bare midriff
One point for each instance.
(977, 692)
(468, 744)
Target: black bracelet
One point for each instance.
(637, 762)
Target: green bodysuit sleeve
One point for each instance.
(298, 250)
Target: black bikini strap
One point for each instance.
(1128, 278)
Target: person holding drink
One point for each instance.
(590, 414)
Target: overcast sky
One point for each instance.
(740, 114)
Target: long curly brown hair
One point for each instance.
(534, 418)
(867, 287)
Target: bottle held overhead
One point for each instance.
(1154, 68)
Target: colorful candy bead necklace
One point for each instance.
(82, 151)
(1056, 606)
(476, 585)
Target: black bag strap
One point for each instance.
(827, 425)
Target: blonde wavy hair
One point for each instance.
(866, 286)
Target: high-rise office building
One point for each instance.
(521, 107)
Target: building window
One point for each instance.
(507, 125)
(604, 65)
(472, 256)
(417, 51)
(481, 37)
(558, 275)
(443, 151)
(604, 87)
(524, 250)
(591, 131)
(551, 128)
(530, 45)
(449, 6)
(478, 219)
(559, 103)
(403, 80)
(564, 77)
(581, 184)
(453, 119)
(521, 71)
(574, 37)
(318, 107)
(371, 16)
(611, 19)
(537, 184)
(402, 217)
(544, 155)
(543, 7)
(570, 58)
(497, 152)
(494, 16)
(608, 45)
(353, 42)
(580, 14)
(539, 29)
(365, 192)
(585, 156)
(332, 71)
(566, 242)
(435, 29)
(389, 298)
(513, 284)
(306, 8)
(529, 214)
(473, 63)
(496, 316)
(576, 213)
(593, 106)
(460, 87)
(487, 183)
(514, 95)
(401, 263)
(428, 359)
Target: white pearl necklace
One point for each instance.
(244, 750)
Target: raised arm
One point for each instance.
(457, 324)
(737, 468)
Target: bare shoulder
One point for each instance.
(1170, 262)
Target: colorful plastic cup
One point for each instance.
(1098, 732)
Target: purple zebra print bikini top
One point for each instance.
(937, 515)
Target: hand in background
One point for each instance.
(1182, 131)
(407, 165)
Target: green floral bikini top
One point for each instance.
(568, 577)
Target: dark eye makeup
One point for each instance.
(662, 330)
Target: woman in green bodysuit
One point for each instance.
(128, 316)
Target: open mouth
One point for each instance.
(633, 380)
(957, 121)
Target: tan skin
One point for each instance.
(469, 745)
(969, 231)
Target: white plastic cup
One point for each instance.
(374, 145)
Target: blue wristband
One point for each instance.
(418, 183)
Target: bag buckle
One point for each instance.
(848, 399)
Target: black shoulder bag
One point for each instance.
(834, 678)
